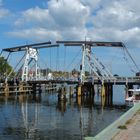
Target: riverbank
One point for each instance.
(123, 127)
(131, 130)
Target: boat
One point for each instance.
(133, 95)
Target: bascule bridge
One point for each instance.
(99, 73)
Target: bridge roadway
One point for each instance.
(116, 81)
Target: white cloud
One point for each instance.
(3, 12)
(69, 13)
(92, 4)
(36, 34)
(112, 20)
(116, 15)
(113, 34)
(35, 16)
(117, 21)
(68, 18)
(74, 33)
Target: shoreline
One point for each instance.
(113, 129)
(131, 129)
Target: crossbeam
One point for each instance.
(91, 43)
(48, 46)
(35, 46)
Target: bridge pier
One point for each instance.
(62, 94)
(71, 91)
(87, 90)
(6, 89)
(79, 90)
(21, 84)
(107, 94)
(34, 90)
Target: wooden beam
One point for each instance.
(23, 47)
(91, 43)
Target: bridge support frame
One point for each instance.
(97, 69)
(31, 54)
(86, 55)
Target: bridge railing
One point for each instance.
(128, 79)
(117, 79)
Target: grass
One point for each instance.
(129, 122)
(138, 112)
(122, 127)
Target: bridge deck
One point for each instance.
(117, 81)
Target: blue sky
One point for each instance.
(34, 21)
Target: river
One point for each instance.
(23, 117)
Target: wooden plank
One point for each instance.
(16, 91)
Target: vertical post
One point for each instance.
(25, 67)
(34, 91)
(21, 87)
(62, 94)
(79, 101)
(103, 90)
(37, 72)
(111, 95)
(79, 90)
(6, 89)
(39, 89)
(106, 94)
(103, 97)
(71, 90)
(93, 90)
(83, 65)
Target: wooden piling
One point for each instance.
(103, 90)
(21, 87)
(110, 94)
(6, 89)
(62, 94)
(79, 90)
(91, 91)
(79, 101)
(34, 90)
(71, 91)
(107, 92)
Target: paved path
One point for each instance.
(133, 129)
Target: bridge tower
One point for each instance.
(31, 54)
(86, 56)
(97, 69)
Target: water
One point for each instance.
(44, 118)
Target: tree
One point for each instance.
(87, 73)
(5, 68)
(74, 71)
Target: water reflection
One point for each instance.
(44, 117)
(61, 106)
(30, 123)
